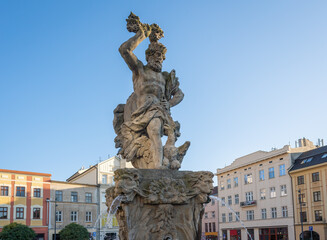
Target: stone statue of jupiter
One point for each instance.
(145, 118)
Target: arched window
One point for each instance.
(307, 235)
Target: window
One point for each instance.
(284, 212)
(20, 191)
(229, 183)
(316, 196)
(214, 227)
(273, 212)
(210, 229)
(4, 190)
(222, 201)
(272, 192)
(206, 227)
(222, 185)
(229, 200)
(283, 190)
(212, 202)
(3, 213)
(271, 172)
(250, 215)
(282, 170)
(249, 196)
(300, 180)
(263, 194)
(104, 179)
(248, 178)
(19, 213)
(213, 214)
(264, 213)
(37, 192)
(323, 156)
(58, 216)
(304, 216)
(223, 217)
(59, 196)
(88, 197)
(237, 199)
(36, 213)
(315, 177)
(306, 160)
(73, 216)
(235, 181)
(230, 217)
(74, 197)
(261, 175)
(88, 217)
(318, 215)
(237, 217)
(205, 215)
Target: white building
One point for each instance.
(258, 188)
(102, 175)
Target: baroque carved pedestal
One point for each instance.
(160, 204)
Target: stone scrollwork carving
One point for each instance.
(167, 190)
(163, 222)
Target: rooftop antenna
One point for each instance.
(108, 156)
(99, 159)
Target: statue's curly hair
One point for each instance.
(155, 47)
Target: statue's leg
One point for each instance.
(154, 132)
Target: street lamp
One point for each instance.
(301, 215)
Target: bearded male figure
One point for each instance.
(145, 118)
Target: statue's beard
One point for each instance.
(155, 66)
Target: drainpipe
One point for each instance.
(301, 216)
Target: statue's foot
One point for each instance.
(175, 165)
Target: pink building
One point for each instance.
(210, 219)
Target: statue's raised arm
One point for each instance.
(142, 31)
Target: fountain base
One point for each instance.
(160, 204)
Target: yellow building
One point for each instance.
(23, 199)
(309, 183)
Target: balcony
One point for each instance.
(248, 203)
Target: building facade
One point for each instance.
(309, 180)
(258, 190)
(102, 175)
(72, 203)
(210, 218)
(23, 199)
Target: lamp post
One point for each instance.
(301, 215)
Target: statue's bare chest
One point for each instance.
(150, 81)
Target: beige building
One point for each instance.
(210, 218)
(309, 180)
(102, 175)
(72, 202)
(258, 188)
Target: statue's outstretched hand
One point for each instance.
(145, 29)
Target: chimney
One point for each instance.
(322, 142)
(300, 142)
(295, 144)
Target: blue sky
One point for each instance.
(253, 73)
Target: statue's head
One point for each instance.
(155, 55)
